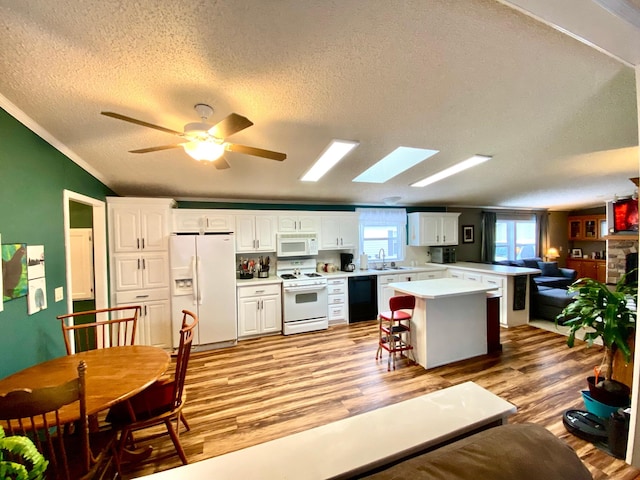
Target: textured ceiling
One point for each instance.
(462, 77)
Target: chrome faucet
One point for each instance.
(382, 257)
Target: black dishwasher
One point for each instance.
(363, 298)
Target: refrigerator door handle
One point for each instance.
(199, 280)
(194, 274)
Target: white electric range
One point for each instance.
(304, 296)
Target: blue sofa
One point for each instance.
(551, 275)
(549, 295)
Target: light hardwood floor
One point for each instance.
(274, 386)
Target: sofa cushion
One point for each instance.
(556, 297)
(555, 282)
(531, 262)
(517, 451)
(549, 269)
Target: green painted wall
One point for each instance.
(33, 176)
(80, 215)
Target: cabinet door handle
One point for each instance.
(142, 296)
(138, 264)
(337, 241)
(259, 291)
(144, 265)
(138, 243)
(257, 243)
(145, 310)
(143, 243)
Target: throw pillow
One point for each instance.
(549, 269)
(530, 262)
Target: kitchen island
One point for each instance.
(449, 321)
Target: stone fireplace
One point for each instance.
(618, 248)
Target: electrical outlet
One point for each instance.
(59, 294)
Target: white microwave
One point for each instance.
(296, 244)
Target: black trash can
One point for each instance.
(618, 432)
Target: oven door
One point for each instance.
(305, 302)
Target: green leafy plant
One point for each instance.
(30, 464)
(609, 315)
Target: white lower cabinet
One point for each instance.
(337, 297)
(385, 292)
(154, 322)
(259, 310)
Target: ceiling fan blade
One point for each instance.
(229, 125)
(221, 164)
(256, 152)
(155, 149)
(140, 122)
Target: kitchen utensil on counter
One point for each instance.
(350, 267)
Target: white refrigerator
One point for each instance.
(203, 280)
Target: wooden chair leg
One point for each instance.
(183, 419)
(176, 441)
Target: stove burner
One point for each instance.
(312, 274)
(288, 276)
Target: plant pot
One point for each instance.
(614, 394)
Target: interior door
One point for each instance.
(81, 263)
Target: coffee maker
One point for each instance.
(346, 262)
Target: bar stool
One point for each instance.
(394, 329)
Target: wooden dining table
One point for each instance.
(113, 375)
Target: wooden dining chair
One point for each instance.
(394, 329)
(71, 455)
(162, 402)
(107, 327)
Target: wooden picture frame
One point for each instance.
(468, 234)
(576, 253)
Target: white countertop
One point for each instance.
(431, 267)
(442, 287)
(497, 269)
(351, 446)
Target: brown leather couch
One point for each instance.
(508, 452)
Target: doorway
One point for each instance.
(98, 225)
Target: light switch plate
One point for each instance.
(59, 294)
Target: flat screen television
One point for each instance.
(625, 215)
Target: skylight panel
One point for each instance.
(447, 172)
(401, 159)
(335, 152)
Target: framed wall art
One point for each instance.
(467, 234)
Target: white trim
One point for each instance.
(99, 247)
(633, 445)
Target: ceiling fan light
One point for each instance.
(203, 150)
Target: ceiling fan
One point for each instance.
(204, 141)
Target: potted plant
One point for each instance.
(20, 459)
(608, 315)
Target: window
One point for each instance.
(383, 228)
(516, 237)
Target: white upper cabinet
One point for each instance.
(431, 228)
(296, 222)
(339, 231)
(139, 225)
(202, 221)
(256, 233)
